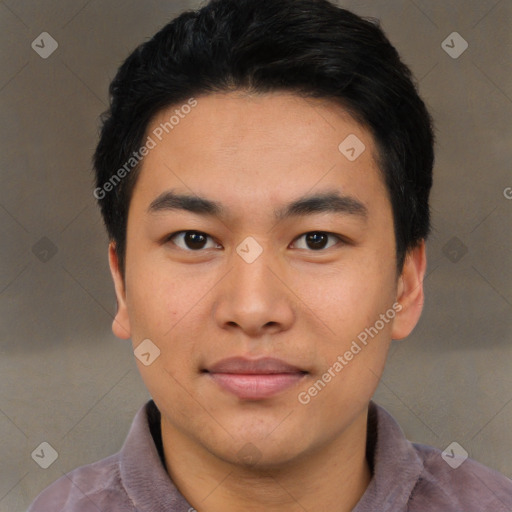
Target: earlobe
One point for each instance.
(410, 293)
(121, 324)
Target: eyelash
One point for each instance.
(338, 237)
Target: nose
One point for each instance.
(254, 297)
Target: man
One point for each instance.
(264, 174)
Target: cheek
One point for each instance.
(153, 306)
(348, 300)
(171, 310)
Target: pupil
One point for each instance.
(195, 240)
(317, 240)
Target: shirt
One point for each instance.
(406, 476)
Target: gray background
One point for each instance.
(65, 379)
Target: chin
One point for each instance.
(256, 451)
(257, 457)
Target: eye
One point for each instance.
(191, 240)
(317, 240)
(197, 240)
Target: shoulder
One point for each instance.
(470, 486)
(89, 488)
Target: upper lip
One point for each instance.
(242, 365)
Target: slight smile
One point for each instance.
(254, 379)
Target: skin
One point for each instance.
(255, 154)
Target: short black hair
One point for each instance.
(309, 47)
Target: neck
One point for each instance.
(332, 477)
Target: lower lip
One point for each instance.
(256, 387)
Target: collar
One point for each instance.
(396, 465)
(394, 462)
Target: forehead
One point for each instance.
(258, 149)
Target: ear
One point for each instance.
(410, 292)
(121, 324)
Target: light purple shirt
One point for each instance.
(406, 477)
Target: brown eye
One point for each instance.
(191, 240)
(317, 240)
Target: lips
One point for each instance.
(254, 379)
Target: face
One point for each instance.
(252, 235)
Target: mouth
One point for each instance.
(254, 379)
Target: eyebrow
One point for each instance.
(326, 202)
